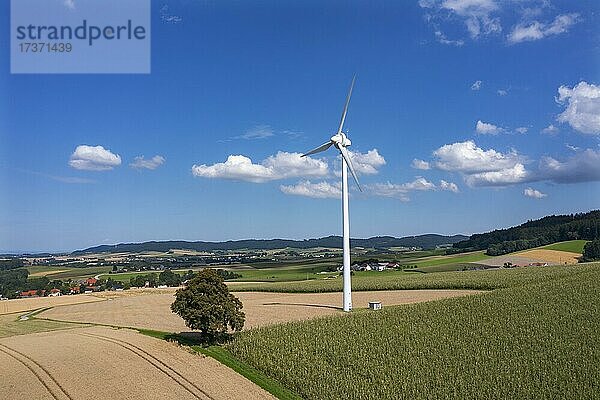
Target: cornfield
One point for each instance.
(536, 338)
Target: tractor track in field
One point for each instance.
(43, 377)
(155, 362)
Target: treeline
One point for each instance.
(15, 281)
(429, 241)
(170, 278)
(591, 251)
(547, 230)
(10, 263)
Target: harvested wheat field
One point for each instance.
(105, 363)
(551, 256)
(35, 303)
(151, 311)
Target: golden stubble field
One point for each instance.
(105, 363)
(151, 310)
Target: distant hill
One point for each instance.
(428, 241)
(540, 232)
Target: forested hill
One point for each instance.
(428, 241)
(551, 229)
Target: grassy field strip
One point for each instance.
(393, 280)
(539, 338)
(572, 246)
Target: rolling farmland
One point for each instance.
(92, 363)
(536, 338)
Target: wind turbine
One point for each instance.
(341, 141)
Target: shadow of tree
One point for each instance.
(199, 338)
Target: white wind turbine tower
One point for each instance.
(341, 141)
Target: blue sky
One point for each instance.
(467, 115)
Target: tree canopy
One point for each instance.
(207, 306)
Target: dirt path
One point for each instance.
(152, 311)
(104, 363)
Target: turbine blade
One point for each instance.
(319, 149)
(346, 106)
(346, 156)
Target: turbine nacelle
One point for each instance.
(341, 139)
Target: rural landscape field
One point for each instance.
(453, 325)
(314, 200)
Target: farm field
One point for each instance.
(11, 325)
(552, 256)
(64, 272)
(538, 337)
(34, 303)
(152, 311)
(105, 363)
(399, 280)
(572, 246)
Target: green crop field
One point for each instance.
(536, 338)
(398, 280)
(573, 246)
(11, 325)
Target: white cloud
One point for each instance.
(484, 128)
(167, 17)
(536, 30)
(282, 165)
(571, 147)
(503, 177)
(476, 85)
(582, 107)
(420, 164)
(319, 190)
(400, 191)
(366, 163)
(141, 163)
(581, 167)
(466, 157)
(550, 130)
(449, 186)
(441, 37)
(502, 92)
(477, 15)
(257, 132)
(94, 158)
(70, 4)
(534, 194)
(522, 130)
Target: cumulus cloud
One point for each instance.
(449, 186)
(522, 130)
(502, 92)
(534, 194)
(476, 85)
(583, 166)
(420, 164)
(535, 30)
(280, 166)
(550, 130)
(141, 163)
(582, 104)
(318, 190)
(94, 158)
(484, 128)
(466, 157)
(70, 4)
(400, 191)
(502, 177)
(366, 163)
